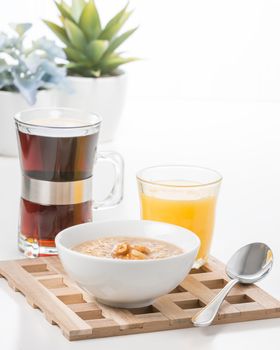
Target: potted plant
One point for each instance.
(27, 73)
(93, 69)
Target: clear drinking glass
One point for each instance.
(57, 150)
(184, 196)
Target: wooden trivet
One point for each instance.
(45, 285)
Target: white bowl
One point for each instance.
(127, 283)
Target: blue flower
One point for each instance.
(49, 47)
(3, 41)
(6, 79)
(28, 69)
(27, 85)
(20, 28)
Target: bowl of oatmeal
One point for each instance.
(130, 263)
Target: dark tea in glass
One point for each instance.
(57, 148)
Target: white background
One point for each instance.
(192, 49)
(206, 93)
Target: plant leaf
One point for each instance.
(74, 55)
(66, 6)
(58, 31)
(114, 61)
(118, 41)
(77, 9)
(96, 73)
(64, 10)
(96, 49)
(115, 24)
(90, 21)
(74, 65)
(75, 35)
(80, 69)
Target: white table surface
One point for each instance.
(241, 140)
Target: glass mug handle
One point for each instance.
(116, 194)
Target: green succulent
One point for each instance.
(89, 47)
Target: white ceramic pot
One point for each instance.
(10, 104)
(104, 96)
(127, 283)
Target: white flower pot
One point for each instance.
(10, 104)
(104, 96)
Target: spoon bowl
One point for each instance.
(250, 263)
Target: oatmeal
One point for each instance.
(129, 248)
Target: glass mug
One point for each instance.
(57, 149)
(181, 195)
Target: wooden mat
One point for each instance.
(45, 286)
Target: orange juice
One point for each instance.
(195, 214)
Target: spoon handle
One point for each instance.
(206, 315)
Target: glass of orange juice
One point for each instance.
(184, 196)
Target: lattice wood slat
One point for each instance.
(45, 285)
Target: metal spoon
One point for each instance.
(248, 265)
